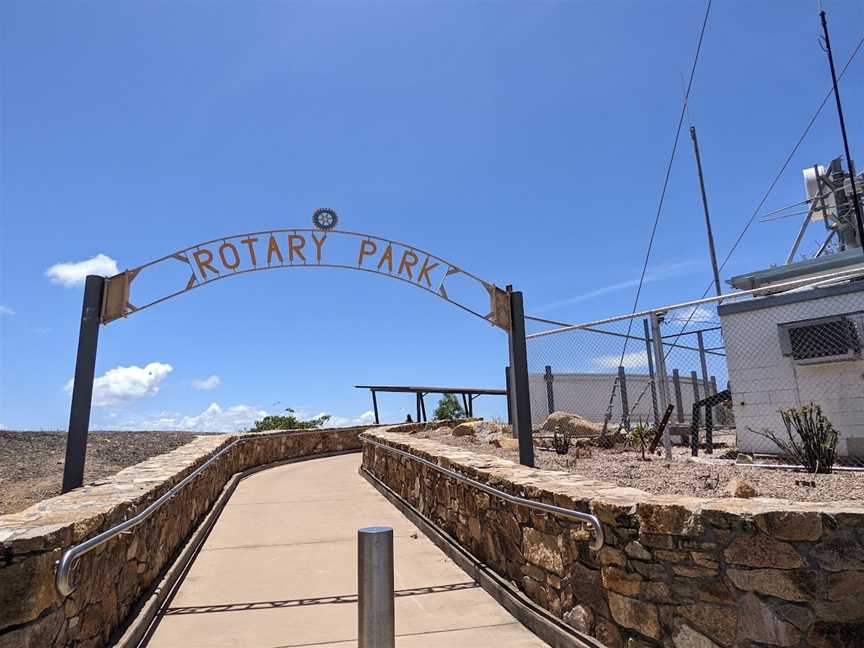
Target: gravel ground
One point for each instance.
(31, 463)
(703, 477)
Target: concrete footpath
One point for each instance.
(279, 570)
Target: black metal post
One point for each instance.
(422, 406)
(705, 209)
(676, 384)
(509, 389)
(849, 163)
(550, 392)
(82, 390)
(471, 405)
(375, 407)
(696, 397)
(625, 405)
(465, 407)
(521, 393)
(417, 405)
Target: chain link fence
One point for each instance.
(728, 367)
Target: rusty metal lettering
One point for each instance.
(295, 246)
(236, 262)
(204, 262)
(248, 242)
(273, 248)
(388, 258)
(318, 245)
(367, 248)
(404, 264)
(425, 270)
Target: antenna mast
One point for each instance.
(705, 208)
(849, 163)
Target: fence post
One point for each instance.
(648, 354)
(662, 378)
(521, 389)
(718, 410)
(679, 404)
(703, 364)
(376, 617)
(550, 393)
(508, 387)
(82, 390)
(625, 406)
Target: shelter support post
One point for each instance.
(375, 407)
(521, 402)
(82, 390)
(508, 386)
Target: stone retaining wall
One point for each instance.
(676, 572)
(113, 577)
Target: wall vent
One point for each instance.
(826, 339)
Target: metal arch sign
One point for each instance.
(210, 261)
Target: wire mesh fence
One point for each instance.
(729, 368)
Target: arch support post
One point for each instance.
(82, 389)
(521, 401)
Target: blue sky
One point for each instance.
(524, 141)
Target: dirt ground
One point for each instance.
(705, 476)
(31, 463)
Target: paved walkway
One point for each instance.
(279, 570)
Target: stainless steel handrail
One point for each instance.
(73, 553)
(596, 543)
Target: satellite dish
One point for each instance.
(821, 208)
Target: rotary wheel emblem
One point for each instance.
(324, 218)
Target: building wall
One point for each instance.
(587, 394)
(763, 381)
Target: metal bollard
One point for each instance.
(376, 615)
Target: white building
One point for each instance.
(794, 348)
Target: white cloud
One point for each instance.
(214, 418)
(365, 418)
(661, 272)
(693, 314)
(5, 310)
(211, 382)
(123, 385)
(632, 360)
(72, 274)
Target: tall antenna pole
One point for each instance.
(705, 208)
(849, 163)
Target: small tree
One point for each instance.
(448, 408)
(289, 422)
(640, 436)
(816, 445)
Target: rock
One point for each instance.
(788, 585)
(543, 550)
(573, 424)
(791, 525)
(740, 488)
(27, 589)
(580, 618)
(835, 635)
(469, 428)
(636, 550)
(686, 637)
(624, 583)
(608, 634)
(841, 552)
(843, 585)
(611, 556)
(763, 551)
(670, 518)
(716, 622)
(758, 622)
(508, 443)
(635, 615)
(744, 458)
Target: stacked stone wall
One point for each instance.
(675, 572)
(111, 579)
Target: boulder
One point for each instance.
(571, 424)
(483, 430)
(740, 488)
